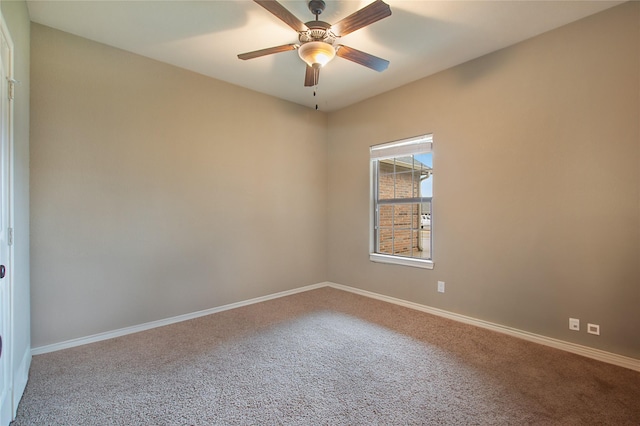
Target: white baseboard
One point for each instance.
(21, 375)
(608, 357)
(597, 354)
(153, 324)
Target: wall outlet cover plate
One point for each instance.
(574, 324)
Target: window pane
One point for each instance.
(386, 241)
(425, 244)
(386, 179)
(385, 216)
(426, 173)
(424, 233)
(385, 229)
(404, 187)
(402, 216)
(402, 242)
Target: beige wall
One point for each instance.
(536, 192)
(17, 18)
(158, 192)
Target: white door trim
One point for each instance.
(9, 408)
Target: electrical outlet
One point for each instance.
(440, 286)
(574, 324)
(593, 329)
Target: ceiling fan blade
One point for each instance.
(311, 76)
(268, 51)
(363, 17)
(362, 58)
(283, 14)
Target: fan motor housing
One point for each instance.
(318, 31)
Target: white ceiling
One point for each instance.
(419, 38)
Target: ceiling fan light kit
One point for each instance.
(317, 38)
(316, 52)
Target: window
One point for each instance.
(402, 187)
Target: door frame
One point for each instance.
(7, 345)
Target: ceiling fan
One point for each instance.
(318, 39)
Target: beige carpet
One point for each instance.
(324, 357)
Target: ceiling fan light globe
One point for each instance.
(316, 52)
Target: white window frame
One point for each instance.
(415, 145)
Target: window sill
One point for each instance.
(397, 260)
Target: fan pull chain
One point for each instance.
(315, 90)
